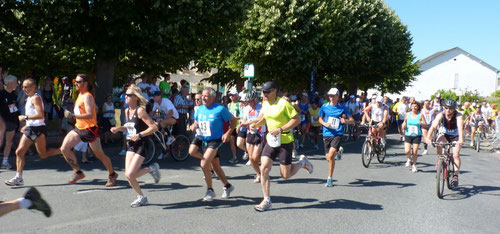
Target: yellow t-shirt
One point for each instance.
(278, 114)
(314, 117)
(494, 114)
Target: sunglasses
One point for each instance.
(197, 99)
(130, 95)
(78, 81)
(266, 92)
(448, 108)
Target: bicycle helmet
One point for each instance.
(252, 95)
(450, 103)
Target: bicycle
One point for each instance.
(346, 135)
(445, 169)
(178, 146)
(478, 136)
(372, 146)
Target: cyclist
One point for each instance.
(138, 125)
(279, 116)
(315, 127)
(85, 130)
(304, 113)
(234, 109)
(254, 139)
(477, 121)
(428, 115)
(413, 123)
(208, 124)
(377, 114)
(165, 106)
(332, 116)
(34, 131)
(450, 124)
(354, 108)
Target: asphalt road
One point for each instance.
(384, 198)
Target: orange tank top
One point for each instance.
(80, 109)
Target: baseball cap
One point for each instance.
(156, 93)
(233, 92)
(333, 91)
(379, 99)
(352, 96)
(269, 85)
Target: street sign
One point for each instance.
(249, 71)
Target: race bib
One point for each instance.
(412, 130)
(302, 118)
(130, 129)
(314, 119)
(273, 141)
(334, 122)
(12, 108)
(204, 128)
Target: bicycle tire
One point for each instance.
(450, 172)
(149, 151)
(366, 154)
(345, 136)
(179, 149)
(440, 177)
(381, 155)
(477, 141)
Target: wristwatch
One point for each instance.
(26, 117)
(140, 136)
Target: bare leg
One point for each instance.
(193, 151)
(43, 152)
(215, 165)
(415, 154)
(330, 157)
(69, 142)
(265, 169)
(97, 149)
(7, 207)
(205, 163)
(133, 170)
(21, 150)
(287, 171)
(9, 140)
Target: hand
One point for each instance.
(460, 142)
(252, 127)
(380, 125)
(21, 118)
(135, 137)
(342, 120)
(193, 127)
(114, 130)
(275, 131)
(429, 141)
(226, 137)
(22, 129)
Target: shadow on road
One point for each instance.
(467, 191)
(338, 204)
(370, 183)
(303, 181)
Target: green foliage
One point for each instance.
(446, 94)
(470, 96)
(496, 94)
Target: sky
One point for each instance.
(438, 25)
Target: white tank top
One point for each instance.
(377, 113)
(108, 108)
(30, 110)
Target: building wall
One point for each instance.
(453, 70)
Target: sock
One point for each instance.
(228, 185)
(141, 196)
(5, 160)
(329, 178)
(24, 203)
(79, 172)
(267, 199)
(19, 175)
(211, 189)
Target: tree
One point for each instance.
(123, 37)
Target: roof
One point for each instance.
(463, 52)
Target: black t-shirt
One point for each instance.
(8, 106)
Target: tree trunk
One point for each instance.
(104, 72)
(353, 86)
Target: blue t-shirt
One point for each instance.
(331, 114)
(210, 121)
(303, 112)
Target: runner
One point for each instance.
(315, 126)
(436, 104)
(241, 140)
(139, 125)
(31, 200)
(33, 132)
(234, 109)
(477, 121)
(332, 116)
(377, 115)
(413, 123)
(354, 108)
(304, 116)
(254, 139)
(10, 115)
(400, 109)
(450, 125)
(85, 130)
(279, 116)
(208, 125)
(428, 116)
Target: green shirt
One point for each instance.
(165, 89)
(278, 114)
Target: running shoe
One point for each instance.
(123, 152)
(408, 163)
(294, 154)
(329, 182)
(301, 146)
(112, 180)
(414, 169)
(263, 206)
(37, 202)
(170, 140)
(249, 163)
(425, 152)
(454, 181)
(154, 170)
(6, 165)
(233, 161)
(245, 156)
(307, 165)
(226, 193)
(76, 177)
(472, 144)
(16, 181)
(160, 156)
(140, 201)
(209, 195)
(257, 179)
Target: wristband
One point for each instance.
(281, 130)
(26, 117)
(140, 136)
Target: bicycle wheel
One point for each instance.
(440, 177)
(477, 141)
(345, 137)
(450, 171)
(149, 151)
(179, 149)
(366, 154)
(381, 155)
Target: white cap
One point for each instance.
(379, 99)
(304, 94)
(333, 91)
(233, 92)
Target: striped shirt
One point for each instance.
(181, 101)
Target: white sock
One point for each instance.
(24, 203)
(267, 199)
(5, 160)
(19, 175)
(141, 196)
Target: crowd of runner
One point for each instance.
(267, 125)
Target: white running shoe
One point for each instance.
(170, 140)
(6, 165)
(307, 165)
(209, 195)
(226, 193)
(140, 201)
(263, 206)
(472, 144)
(233, 161)
(245, 156)
(16, 181)
(123, 152)
(408, 163)
(249, 163)
(294, 154)
(154, 170)
(414, 169)
(425, 152)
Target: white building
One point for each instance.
(454, 69)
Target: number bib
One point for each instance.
(412, 130)
(334, 122)
(302, 117)
(12, 108)
(273, 141)
(314, 119)
(130, 129)
(204, 129)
